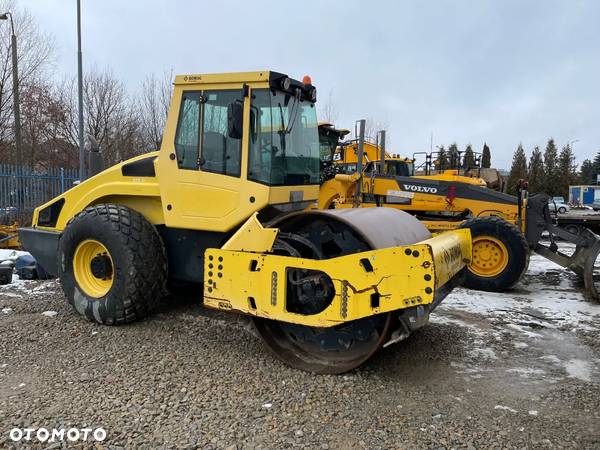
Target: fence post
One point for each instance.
(62, 180)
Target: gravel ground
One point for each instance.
(490, 371)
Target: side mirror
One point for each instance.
(235, 120)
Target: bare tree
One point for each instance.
(372, 127)
(36, 55)
(153, 106)
(109, 115)
(41, 113)
(329, 110)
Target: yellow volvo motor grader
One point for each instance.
(222, 206)
(504, 228)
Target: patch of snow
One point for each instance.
(532, 412)
(505, 408)
(50, 313)
(446, 320)
(11, 254)
(520, 345)
(578, 368)
(551, 358)
(485, 353)
(524, 331)
(17, 284)
(554, 305)
(526, 371)
(267, 405)
(7, 310)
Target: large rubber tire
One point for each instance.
(516, 251)
(138, 260)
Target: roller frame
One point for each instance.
(402, 277)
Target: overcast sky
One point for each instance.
(467, 71)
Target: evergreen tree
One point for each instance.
(518, 170)
(442, 159)
(453, 157)
(586, 173)
(596, 166)
(486, 157)
(469, 158)
(536, 172)
(550, 168)
(567, 174)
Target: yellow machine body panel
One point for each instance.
(401, 277)
(140, 193)
(348, 154)
(453, 175)
(341, 189)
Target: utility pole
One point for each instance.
(16, 105)
(80, 95)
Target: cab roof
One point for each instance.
(269, 76)
(227, 77)
(274, 80)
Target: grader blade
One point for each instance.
(583, 261)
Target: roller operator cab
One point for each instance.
(221, 207)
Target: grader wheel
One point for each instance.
(500, 254)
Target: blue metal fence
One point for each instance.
(23, 188)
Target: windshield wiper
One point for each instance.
(283, 130)
(293, 114)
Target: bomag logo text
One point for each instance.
(424, 189)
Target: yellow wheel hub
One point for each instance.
(490, 256)
(93, 268)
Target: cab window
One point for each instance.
(220, 152)
(284, 140)
(201, 140)
(188, 131)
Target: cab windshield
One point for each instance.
(393, 167)
(328, 142)
(284, 142)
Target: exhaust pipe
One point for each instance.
(359, 162)
(382, 152)
(95, 162)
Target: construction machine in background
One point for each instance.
(341, 156)
(9, 237)
(504, 228)
(221, 207)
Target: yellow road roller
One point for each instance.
(221, 208)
